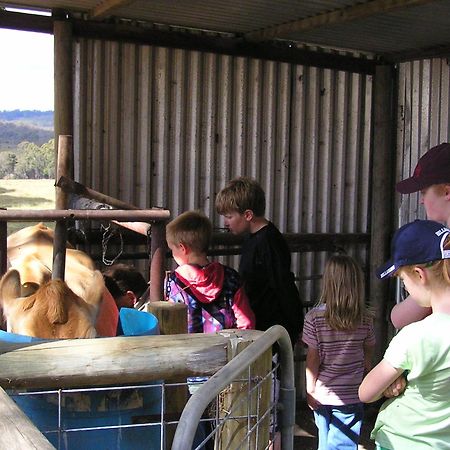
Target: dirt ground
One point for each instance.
(307, 438)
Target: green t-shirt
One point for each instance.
(420, 417)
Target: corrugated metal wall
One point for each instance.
(167, 127)
(423, 122)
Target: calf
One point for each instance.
(30, 252)
(53, 311)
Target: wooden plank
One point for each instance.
(106, 8)
(16, 429)
(112, 361)
(337, 16)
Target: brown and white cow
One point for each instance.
(30, 252)
(53, 311)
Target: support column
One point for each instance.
(382, 213)
(63, 122)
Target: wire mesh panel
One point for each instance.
(139, 416)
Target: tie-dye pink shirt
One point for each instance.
(341, 353)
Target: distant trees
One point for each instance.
(30, 161)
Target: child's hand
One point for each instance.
(312, 402)
(396, 388)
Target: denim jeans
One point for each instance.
(339, 426)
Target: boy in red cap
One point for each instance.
(432, 178)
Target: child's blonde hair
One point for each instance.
(343, 293)
(439, 270)
(440, 189)
(240, 195)
(192, 229)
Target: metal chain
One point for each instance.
(108, 233)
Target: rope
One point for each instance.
(108, 233)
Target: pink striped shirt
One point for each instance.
(341, 353)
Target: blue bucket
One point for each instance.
(102, 408)
(136, 323)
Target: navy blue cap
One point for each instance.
(416, 242)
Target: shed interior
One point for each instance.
(326, 102)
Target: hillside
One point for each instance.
(40, 119)
(19, 126)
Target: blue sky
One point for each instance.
(26, 74)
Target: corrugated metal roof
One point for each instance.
(396, 27)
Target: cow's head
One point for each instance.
(51, 311)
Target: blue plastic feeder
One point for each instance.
(102, 408)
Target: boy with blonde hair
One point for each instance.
(211, 291)
(265, 265)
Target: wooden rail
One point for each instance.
(115, 361)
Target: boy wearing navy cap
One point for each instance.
(420, 418)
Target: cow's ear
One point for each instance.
(10, 286)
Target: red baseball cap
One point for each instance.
(432, 168)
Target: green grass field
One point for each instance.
(26, 194)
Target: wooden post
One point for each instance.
(383, 166)
(63, 38)
(157, 260)
(172, 319)
(243, 408)
(64, 167)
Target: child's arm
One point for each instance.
(377, 381)
(245, 318)
(396, 388)
(408, 311)
(312, 372)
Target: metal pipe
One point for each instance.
(59, 250)
(184, 435)
(143, 215)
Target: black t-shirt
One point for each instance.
(265, 269)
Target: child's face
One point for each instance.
(236, 222)
(436, 203)
(415, 288)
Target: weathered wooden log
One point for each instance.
(64, 168)
(70, 186)
(80, 202)
(113, 361)
(16, 429)
(172, 319)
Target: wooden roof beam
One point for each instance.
(106, 7)
(331, 18)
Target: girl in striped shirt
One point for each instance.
(340, 339)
